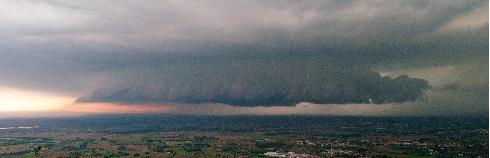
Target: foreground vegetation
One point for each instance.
(244, 136)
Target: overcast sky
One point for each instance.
(240, 57)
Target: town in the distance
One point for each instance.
(243, 136)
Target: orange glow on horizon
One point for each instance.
(114, 108)
(26, 100)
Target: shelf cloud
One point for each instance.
(257, 82)
(246, 53)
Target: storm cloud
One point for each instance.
(246, 53)
(255, 81)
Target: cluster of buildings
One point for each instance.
(289, 155)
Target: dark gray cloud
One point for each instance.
(252, 81)
(240, 52)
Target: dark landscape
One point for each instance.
(155, 135)
(244, 78)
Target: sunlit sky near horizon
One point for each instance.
(23, 100)
(334, 57)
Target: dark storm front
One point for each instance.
(251, 136)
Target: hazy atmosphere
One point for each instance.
(375, 58)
